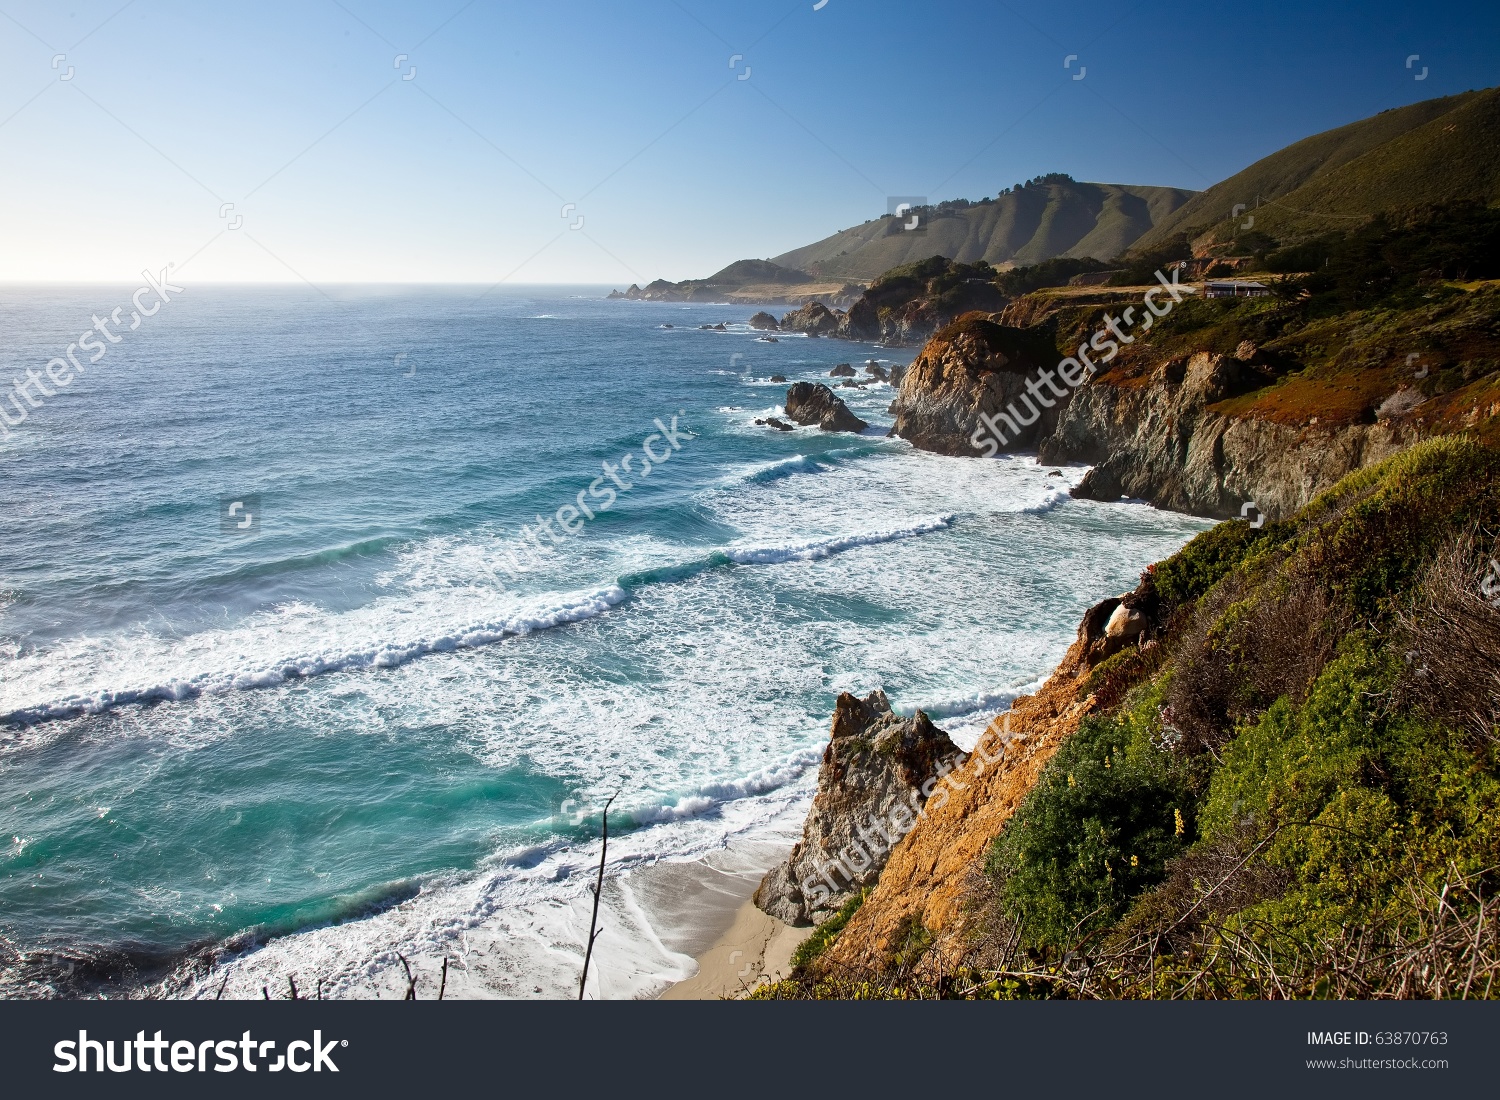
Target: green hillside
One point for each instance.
(1027, 225)
(1450, 159)
(1434, 151)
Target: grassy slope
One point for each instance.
(1317, 790)
(1447, 159)
(1286, 170)
(1026, 226)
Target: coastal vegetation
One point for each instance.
(1436, 151)
(1297, 793)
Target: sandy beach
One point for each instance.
(756, 948)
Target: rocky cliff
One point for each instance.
(878, 771)
(928, 880)
(1200, 418)
(1163, 442)
(974, 368)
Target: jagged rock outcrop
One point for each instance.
(815, 403)
(1161, 441)
(863, 321)
(877, 773)
(842, 370)
(815, 319)
(928, 881)
(763, 320)
(972, 368)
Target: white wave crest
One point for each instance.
(712, 795)
(569, 609)
(815, 549)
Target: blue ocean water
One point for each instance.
(369, 723)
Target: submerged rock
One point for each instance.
(815, 403)
(870, 791)
(778, 378)
(775, 422)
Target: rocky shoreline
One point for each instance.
(1159, 433)
(902, 817)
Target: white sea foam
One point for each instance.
(240, 654)
(516, 930)
(814, 549)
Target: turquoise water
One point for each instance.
(370, 723)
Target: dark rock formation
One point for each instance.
(871, 787)
(814, 318)
(775, 422)
(815, 403)
(876, 371)
(863, 321)
(975, 368)
(843, 370)
(1119, 621)
(764, 320)
(778, 378)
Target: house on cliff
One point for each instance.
(1235, 288)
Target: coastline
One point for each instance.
(755, 948)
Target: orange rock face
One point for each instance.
(929, 872)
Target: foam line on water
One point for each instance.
(712, 795)
(385, 655)
(814, 549)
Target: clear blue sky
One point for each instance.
(297, 113)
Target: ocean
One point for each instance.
(287, 689)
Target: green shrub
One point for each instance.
(1106, 815)
(1358, 798)
(1202, 563)
(824, 934)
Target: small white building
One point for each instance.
(1235, 288)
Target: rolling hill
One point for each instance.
(1027, 225)
(1439, 150)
